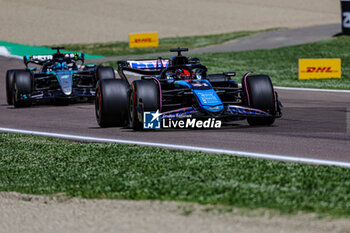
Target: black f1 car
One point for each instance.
(180, 87)
(60, 79)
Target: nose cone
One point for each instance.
(65, 80)
(209, 100)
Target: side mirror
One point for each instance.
(194, 60)
(31, 68)
(90, 65)
(230, 74)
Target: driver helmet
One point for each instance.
(58, 57)
(183, 74)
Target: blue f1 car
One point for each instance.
(60, 79)
(180, 87)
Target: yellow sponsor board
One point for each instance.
(319, 68)
(143, 40)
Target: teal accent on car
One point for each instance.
(65, 79)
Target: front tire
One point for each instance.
(111, 104)
(9, 85)
(260, 95)
(143, 96)
(22, 89)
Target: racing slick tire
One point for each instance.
(9, 86)
(105, 72)
(22, 88)
(111, 104)
(260, 95)
(143, 94)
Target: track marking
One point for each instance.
(4, 52)
(311, 89)
(183, 147)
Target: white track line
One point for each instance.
(183, 147)
(311, 89)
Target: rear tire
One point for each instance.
(105, 72)
(22, 89)
(111, 104)
(9, 85)
(143, 93)
(260, 95)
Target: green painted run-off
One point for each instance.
(23, 50)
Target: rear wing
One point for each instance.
(144, 65)
(41, 59)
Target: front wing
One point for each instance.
(47, 95)
(230, 112)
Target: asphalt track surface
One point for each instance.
(314, 125)
(276, 39)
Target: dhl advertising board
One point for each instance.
(143, 40)
(319, 68)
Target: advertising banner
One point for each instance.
(319, 68)
(143, 40)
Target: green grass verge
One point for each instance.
(282, 64)
(38, 165)
(191, 42)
